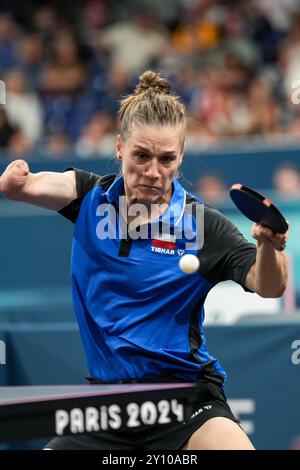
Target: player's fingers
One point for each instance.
(277, 240)
(259, 231)
(280, 239)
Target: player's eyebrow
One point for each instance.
(140, 147)
(146, 150)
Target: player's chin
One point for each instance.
(148, 197)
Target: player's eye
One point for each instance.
(166, 159)
(141, 157)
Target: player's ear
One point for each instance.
(119, 147)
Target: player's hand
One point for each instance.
(265, 235)
(14, 177)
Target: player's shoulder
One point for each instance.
(106, 181)
(214, 220)
(87, 180)
(100, 184)
(209, 211)
(86, 184)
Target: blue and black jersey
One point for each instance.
(140, 316)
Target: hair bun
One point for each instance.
(152, 82)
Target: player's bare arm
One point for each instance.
(50, 190)
(268, 276)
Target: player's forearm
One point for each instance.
(46, 189)
(271, 273)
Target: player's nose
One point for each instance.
(152, 170)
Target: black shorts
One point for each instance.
(210, 403)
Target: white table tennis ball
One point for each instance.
(189, 264)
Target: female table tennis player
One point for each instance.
(140, 317)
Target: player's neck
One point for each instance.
(152, 210)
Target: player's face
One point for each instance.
(150, 160)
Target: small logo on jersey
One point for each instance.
(164, 245)
(198, 412)
(180, 252)
(163, 251)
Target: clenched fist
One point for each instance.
(265, 235)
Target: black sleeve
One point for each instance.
(85, 181)
(226, 254)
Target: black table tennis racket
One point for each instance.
(258, 208)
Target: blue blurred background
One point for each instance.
(63, 69)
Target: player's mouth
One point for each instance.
(146, 187)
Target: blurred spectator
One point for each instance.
(198, 136)
(286, 181)
(19, 145)
(211, 188)
(96, 14)
(237, 41)
(66, 71)
(57, 145)
(97, 138)
(7, 130)
(266, 35)
(45, 22)
(23, 107)
(30, 56)
(118, 85)
(167, 11)
(135, 44)
(264, 111)
(8, 40)
(210, 104)
(62, 87)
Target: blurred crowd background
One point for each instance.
(66, 65)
